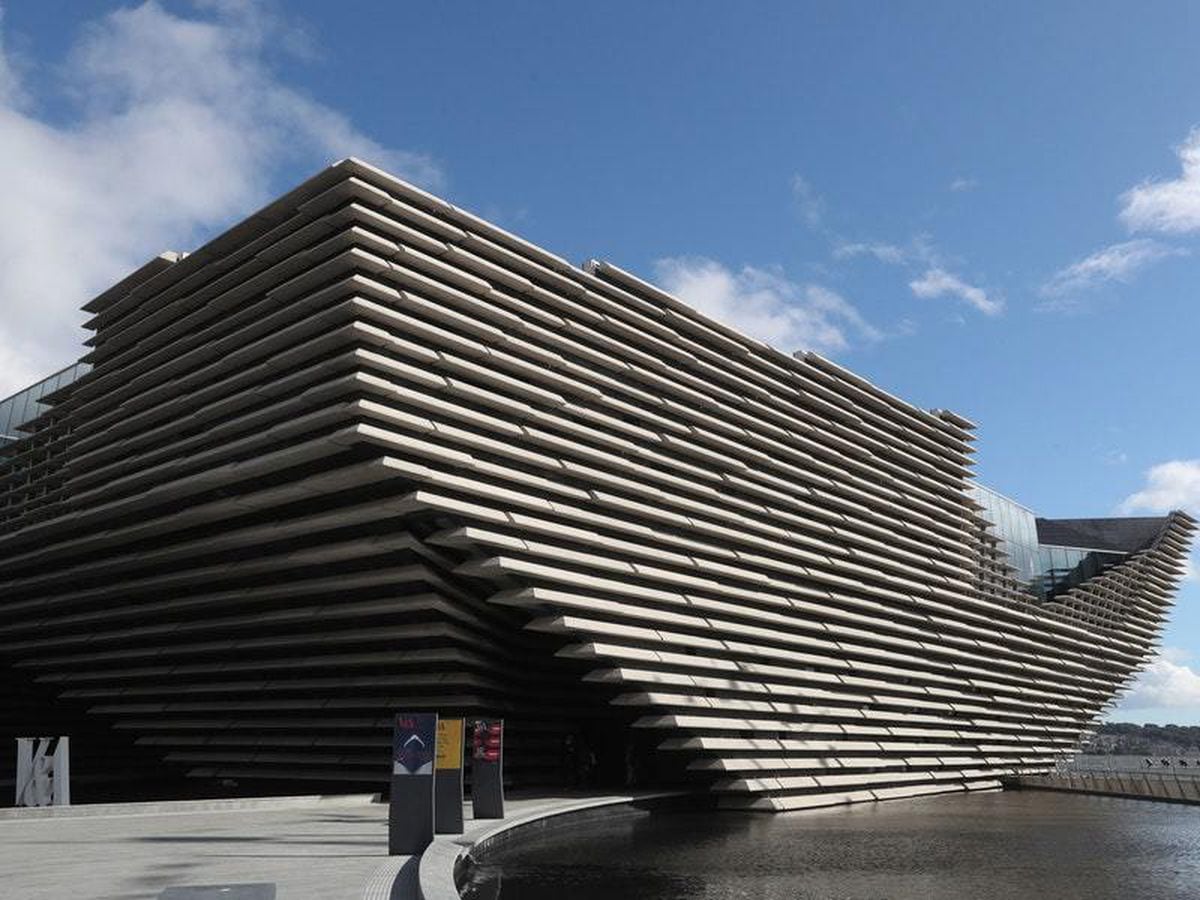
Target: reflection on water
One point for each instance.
(979, 846)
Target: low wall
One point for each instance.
(1137, 785)
(444, 865)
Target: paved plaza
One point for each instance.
(314, 848)
(319, 851)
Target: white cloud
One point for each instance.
(1171, 206)
(1191, 569)
(766, 305)
(964, 184)
(1117, 262)
(811, 205)
(1170, 485)
(938, 282)
(1166, 683)
(175, 128)
(920, 255)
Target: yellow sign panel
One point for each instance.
(450, 743)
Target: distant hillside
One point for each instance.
(1120, 738)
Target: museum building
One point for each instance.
(366, 452)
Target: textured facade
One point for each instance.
(368, 452)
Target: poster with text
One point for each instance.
(486, 739)
(450, 744)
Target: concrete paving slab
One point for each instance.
(313, 852)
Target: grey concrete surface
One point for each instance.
(322, 850)
(285, 848)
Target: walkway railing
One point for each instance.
(1176, 767)
(1180, 786)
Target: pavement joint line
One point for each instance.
(185, 807)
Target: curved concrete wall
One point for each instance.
(367, 451)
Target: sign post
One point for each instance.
(410, 811)
(448, 778)
(487, 768)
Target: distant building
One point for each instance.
(365, 452)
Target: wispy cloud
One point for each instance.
(809, 202)
(765, 304)
(175, 126)
(1118, 262)
(1169, 206)
(920, 256)
(885, 253)
(1170, 485)
(927, 270)
(919, 251)
(1172, 205)
(937, 282)
(961, 184)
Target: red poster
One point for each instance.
(487, 737)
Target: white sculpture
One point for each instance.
(43, 771)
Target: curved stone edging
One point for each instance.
(441, 862)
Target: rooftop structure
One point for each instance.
(1051, 556)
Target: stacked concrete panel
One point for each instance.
(366, 451)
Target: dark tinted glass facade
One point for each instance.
(1015, 526)
(1035, 548)
(25, 405)
(1066, 567)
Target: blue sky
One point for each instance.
(989, 207)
